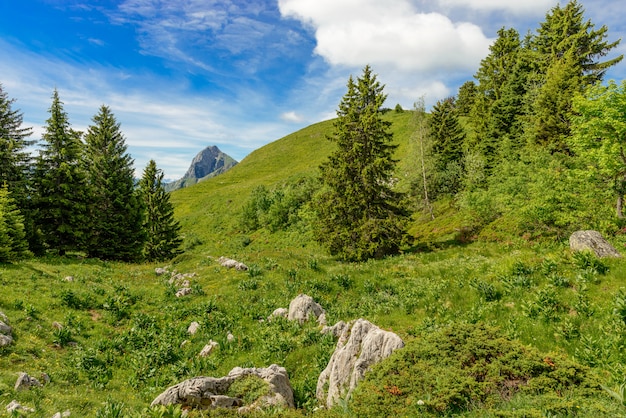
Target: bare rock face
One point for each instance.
(592, 241)
(211, 392)
(360, 346)
(303, 308)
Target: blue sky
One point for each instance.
(180, 75)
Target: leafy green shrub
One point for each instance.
(343, 280)
(587, 261)
(462, 367)
(487, 291)
(111, 409)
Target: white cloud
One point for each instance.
(520, 7)
(388, 34)
(292, 117)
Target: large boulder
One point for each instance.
(360, 346)
(210, 392)
(592, 241)
(303, 308)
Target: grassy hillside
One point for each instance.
(561, 317)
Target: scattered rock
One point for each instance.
(279, 313)
(3, 317)
(5, 329)
(208, 349)
(193, 328)
(230, 337)
(69, 278)
(159, 271)
(57, 325)
(211, 392)
(5, 340)
(24, 381)
(16, 406)
(45, 378)
(183, 292)
(62, 414)
(593, 241)
(230, 263)
(303, 307)
(360, 346)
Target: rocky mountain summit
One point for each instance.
(208, 163)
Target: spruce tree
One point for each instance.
(360, 216)
(59, 184)
(163, 241)
(13, 244)
(116, 231)
(14, 159)
(446, 132)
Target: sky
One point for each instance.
(181, 75)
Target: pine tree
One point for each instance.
(163, 230)
(13, 244)
(59, 183)
(360, 216)
(114, 205)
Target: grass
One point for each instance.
(124, 337)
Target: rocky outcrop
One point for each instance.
(24, 381)
(208, 163)
(211, 392)
(230, 263)
(360, 346)
(15, 406)
(592, 241)
(6, 332)
(303, 308)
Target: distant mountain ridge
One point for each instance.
(208, 163)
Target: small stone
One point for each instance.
(57, 325)
(230, 337)
(24, 381)
(208, 349)
(193, 328)
(183, 292)
(69, 278)
(159, 271)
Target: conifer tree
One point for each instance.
(14, 160)
(59, 183)
(446, 132)
(360, 216)
(115, 209)
(163, 241)
(13, 244)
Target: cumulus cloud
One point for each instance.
(525, 7)
(389, 34)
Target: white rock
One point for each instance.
(208, 349)
(193, 328)
(360, 346)
(303, 308)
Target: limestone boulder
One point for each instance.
(303, 308)
(208, 349)
(193, 328)
(230, 263)
(361, 345)
(5, 329)
(5, 340)
(592, 241)
(210, 392)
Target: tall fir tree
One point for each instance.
(360, 216)
(447, 133)
(163, 241)
(15, 161)
(13, 243)
(59, 185)
(115, 210)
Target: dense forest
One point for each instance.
(447, 227)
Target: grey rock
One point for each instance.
(230, 263)
(223, 401)
(69, 278)
(360, 346)
(3, 317)
(159, 271)
(5, 329)
(5, 340)
(592, 241)
(24, 381)
(183, 292)
(16, 406)
(209, 162)
(279, 313)
(209, 392)
(303, 308)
